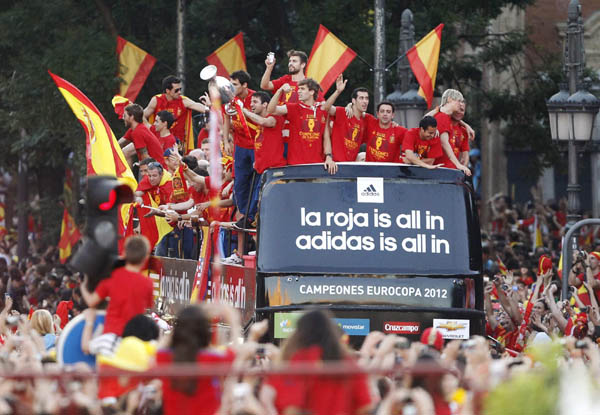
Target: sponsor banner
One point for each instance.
(369, 189)
(401, 327)
(285, 324)
(175, 279)
(236, 288)
(417, 291)
(452, 329)
(343, 226)
(354, 326)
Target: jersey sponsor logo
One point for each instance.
(398, 327)
(369, 189)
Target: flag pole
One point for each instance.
(396, 60)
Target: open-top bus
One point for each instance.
(385, 247)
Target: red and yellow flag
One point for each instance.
(230, 57)
(134, 67)
(328, 58)
(501, 266)
(423, 59)
(69, 235)
(103, 154)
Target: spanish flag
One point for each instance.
(501, 266)
(134, 67)
(328, 58)
(230, 56)
(69, 235)
(423, 59)
(103, 154)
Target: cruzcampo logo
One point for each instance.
(285, 324)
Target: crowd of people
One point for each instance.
(532, 338)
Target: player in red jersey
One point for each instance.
(296, 66)
(420, 146)
(171, 100)
(348, 132)
(161, 129)
(243, 154)
(145, 143)
(451, 102)
(307, 121)
(268, 142)
(383, 137)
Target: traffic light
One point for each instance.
(98, 253)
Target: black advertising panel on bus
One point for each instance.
(290, 290)
(367, 219)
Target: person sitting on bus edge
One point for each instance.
(307, 120)
(421, 146)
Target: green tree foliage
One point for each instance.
(74, 39)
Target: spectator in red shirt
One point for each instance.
(145, 144)
(307, 122)
(317, 340)
(421, 147)
(383, 137)
(129, 291)
(190, 344)
(348, 132)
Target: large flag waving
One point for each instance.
(103, 154)
(328, 58)
(135, 66)
(230, 56)
(423, 59)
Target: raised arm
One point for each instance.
(265, 81)
(193, 105)
(340, 84)
(273, 108)
(149, 110)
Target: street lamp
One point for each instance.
(408, 104)
(571, 113)
(412, 106)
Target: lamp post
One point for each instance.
(408, 104)
(571, 112)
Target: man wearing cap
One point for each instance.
(590, 273)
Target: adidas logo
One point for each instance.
(370, 191)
